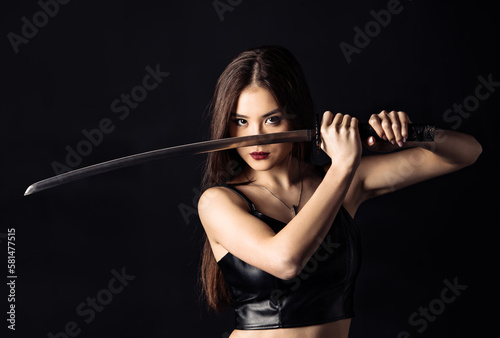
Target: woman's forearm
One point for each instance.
(454, 148)
(298, 241)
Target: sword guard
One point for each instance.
(318, 135)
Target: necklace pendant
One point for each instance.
(294, 210)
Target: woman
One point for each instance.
(281, 245)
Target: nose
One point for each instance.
(256, 129)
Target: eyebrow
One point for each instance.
(274, 111)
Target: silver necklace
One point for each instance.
(294, 208)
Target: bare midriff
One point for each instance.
(337, 329)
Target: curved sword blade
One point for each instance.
(187, 149)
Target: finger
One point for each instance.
(404, 119)
(338, 119)
(327, 118)
(386, 124)
(396, 128)
(346, 121)
(326, 121)
(374, 122)
(354, 123)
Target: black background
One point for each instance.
(68, 239)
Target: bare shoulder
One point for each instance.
(226, 219)
(218, 198)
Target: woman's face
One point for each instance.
(256, 113)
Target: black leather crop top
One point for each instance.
(321, 293)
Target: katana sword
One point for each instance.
(417, 132)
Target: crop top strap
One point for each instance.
(239, 193)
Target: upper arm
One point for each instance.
(227, 222)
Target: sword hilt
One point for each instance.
(318, 135)
(417, 132)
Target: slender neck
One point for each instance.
(280, 177)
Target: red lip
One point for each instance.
(259, 155)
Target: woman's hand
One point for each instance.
(340, 139)
(391, 127)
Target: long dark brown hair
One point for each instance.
(273, 68)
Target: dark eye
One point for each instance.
(274, 120)
(240, 122)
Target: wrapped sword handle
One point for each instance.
(417, 132)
